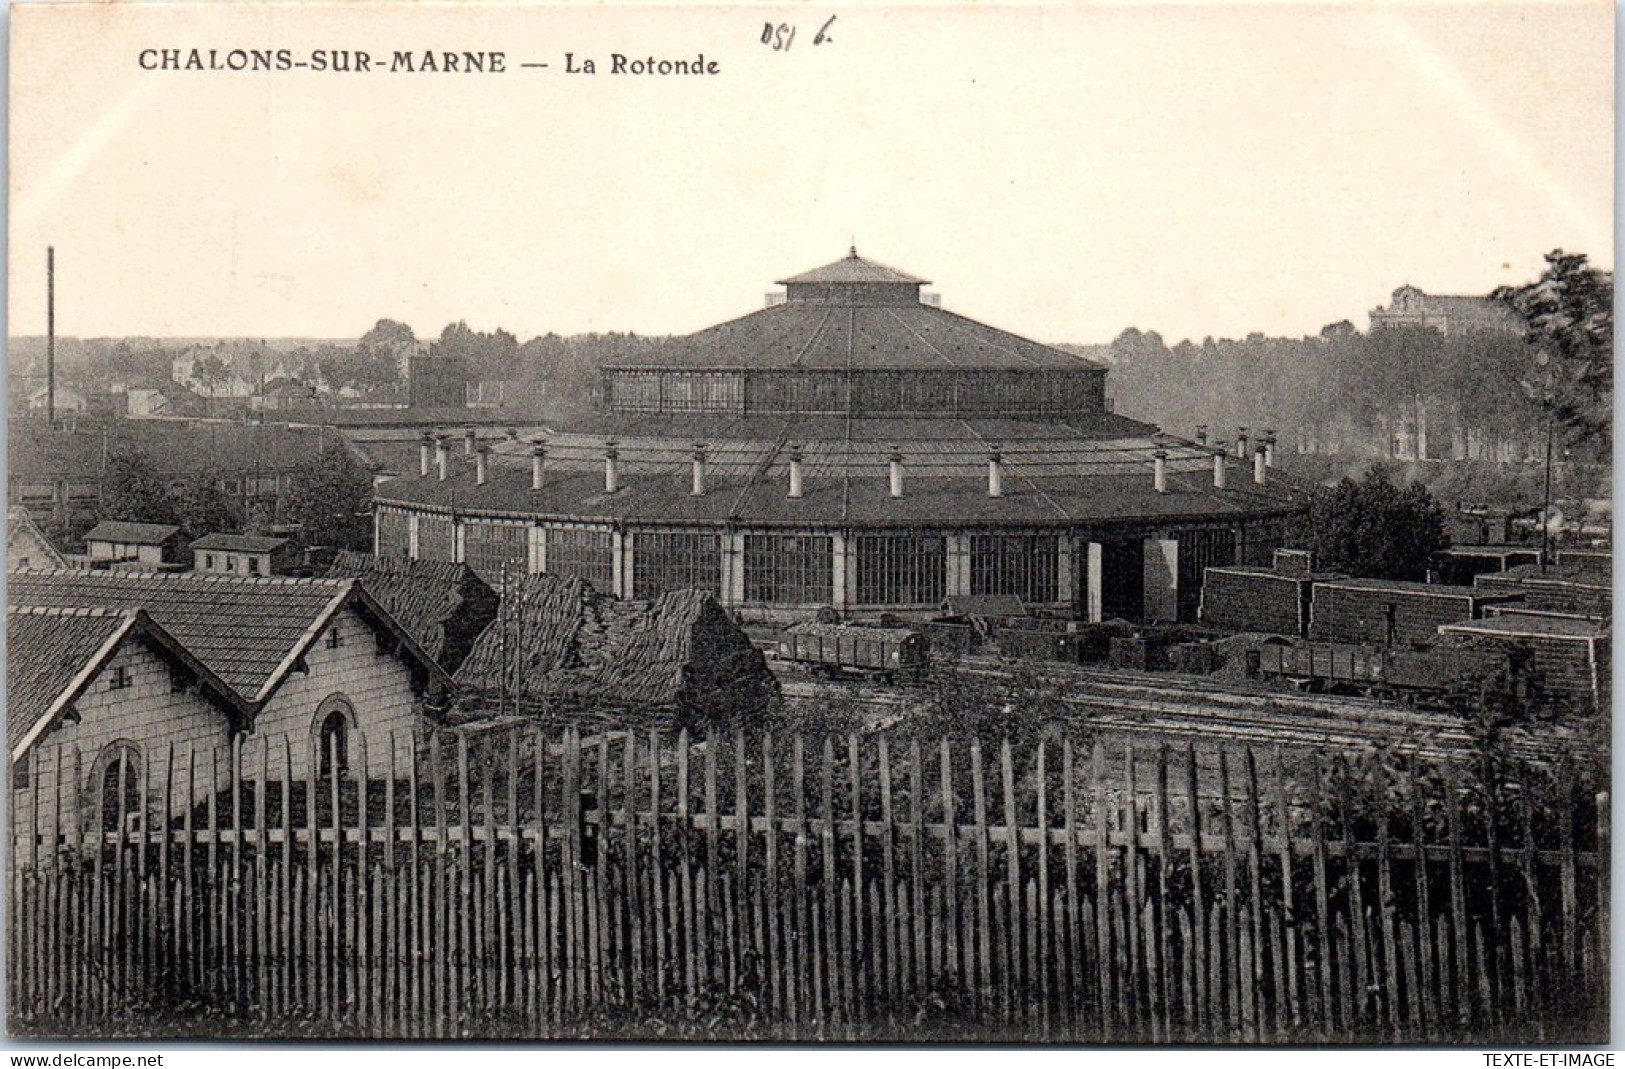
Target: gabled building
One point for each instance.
(26, 544)
(304, 668)
(91, 695)
(123, 541)
(1447, 314)
(238, 554)
(445, 605)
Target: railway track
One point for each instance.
(1180, 709)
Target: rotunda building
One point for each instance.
(852, 445)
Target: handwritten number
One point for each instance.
(823, 34)
(780, 36)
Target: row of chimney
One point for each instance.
(440, 450)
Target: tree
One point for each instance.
(1373, 528)
(331, 499)
(210, 372)
(489, 357)
(202, 507)
(1568, 316)
(133, 490)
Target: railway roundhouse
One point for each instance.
(851, 445)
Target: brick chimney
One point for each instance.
(795, 472)
(1241, 442)
(1219, 470)
(895, 470)
(538, 460)
(481, 458)
(469, 441)
(425, 452)
(1259, 475)
(995, 473)
(442, 457)
(612, 467)
(1160, 470)
(698, 487)
(1201, 434)
(1269, 448)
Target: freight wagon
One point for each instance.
(1454, 679)
(835, 650)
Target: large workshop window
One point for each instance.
(1023, 565)
(901, 569)
(437, 538)
(635, 391)
(489, 546)
(585, 553)
(675, 560)
(789, 569)
(394, 533)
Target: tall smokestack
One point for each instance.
(1259, 475)
(442, 457)
(538, 459)
(612, 467)
(481, 456)
(1159, 471)
(995, 473)
(796, 478)
(697, 489)
(425, 450)
(1219, 470)
(50, 335)
(895, 470)
(1241, 442)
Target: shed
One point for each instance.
(558, 646)
(123, 540)
(445, 606)
(1571, 657)
(1387, 611)
(237, 554)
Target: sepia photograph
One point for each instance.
(1050, 524)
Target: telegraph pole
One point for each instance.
(50, 335)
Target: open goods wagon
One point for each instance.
(856, 650)
(1436, 678)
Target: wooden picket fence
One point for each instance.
(542, 883)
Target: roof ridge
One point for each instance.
(66, 611)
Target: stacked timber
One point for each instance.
(1385, 611)
(1580, 589)
(558, 647)
(1569, 658)
(1272, 600)
(442, 605)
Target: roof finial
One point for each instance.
(852, 251)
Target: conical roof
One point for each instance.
(852, 268)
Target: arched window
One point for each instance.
(330, 735)
(117, 783)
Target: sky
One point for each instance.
(1061, 171)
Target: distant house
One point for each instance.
(283, 393)
(445, 606)
(26, 544)
(124, 541)
(90, 692)
(67, 399)
(236, 554)
(1410, 307)
(173, 399)
(315, 668)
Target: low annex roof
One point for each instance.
(250, 632)
(240, 543)
(135, 534)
